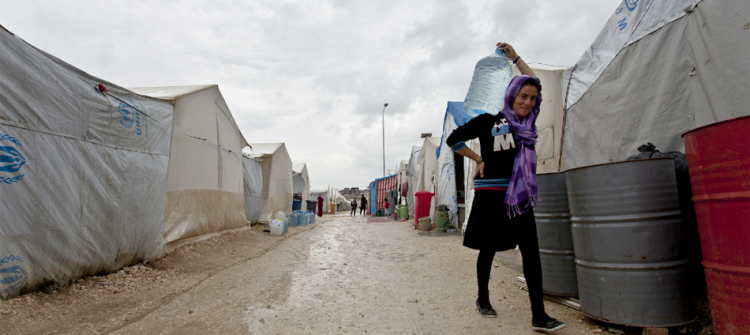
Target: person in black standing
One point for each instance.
(506, 178)
(354, 207)
(363, 205)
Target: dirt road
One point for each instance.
(341, 275)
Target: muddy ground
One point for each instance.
(341, 275)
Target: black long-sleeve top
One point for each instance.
(498, 147)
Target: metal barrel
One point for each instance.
(627, 236)
(555, 239)
(719, 161)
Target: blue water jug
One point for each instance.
(293, 221)
(303, 219)
(491, 78)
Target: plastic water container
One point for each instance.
(311, 216)
(491, 78)
(443, 221)
(279, 216)
(277, 227)
(297, 205)
(303, 219)
(286, 226)
(294, 220)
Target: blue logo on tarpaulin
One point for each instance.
(631, 4)
(11, 160)
(132, 118)
(12, 277)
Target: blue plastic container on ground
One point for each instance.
(491, 78)
(303, 219)
(293, 220)
(311, 217)
(296, 205)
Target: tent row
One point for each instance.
(95, 177)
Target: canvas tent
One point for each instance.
(412, 173)
(83, 172)
(403, 178)
(277, 177)
(656, 70)
(427, 164)
(300, 169)
(205, 187)
(253, 177)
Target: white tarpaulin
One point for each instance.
(412, 173)
(656, 70)
(277, 178)
(446, 171)
(205, 192)
(83, 173)
(301, 170)
(253, 176)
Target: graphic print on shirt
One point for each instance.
(503, 136)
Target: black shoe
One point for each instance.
(486, 311)
(548, 327)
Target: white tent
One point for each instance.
(205, 188)
(412, 173)
(427, 165)
(403, 166)
(656, 70)
(300, 169)
(277, 177)
(427, 170)
(253, 176)
(83, 172)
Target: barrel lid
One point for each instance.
(715, 123)
(619, 162)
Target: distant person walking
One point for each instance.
(354, 207)
(320, 205)
(363, 205)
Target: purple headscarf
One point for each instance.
(522, 193)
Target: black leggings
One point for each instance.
(354, 211)
(532, 270)
(361, 210)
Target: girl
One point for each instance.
(506, 178)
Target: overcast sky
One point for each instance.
(313, 74)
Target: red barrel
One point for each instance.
(422, 204)
(719, 160)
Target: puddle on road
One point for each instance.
(320, 280)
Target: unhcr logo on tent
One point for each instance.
(132, 117)
(11, 160)
(12, 277)
(631, 4)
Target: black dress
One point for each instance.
(489, 227)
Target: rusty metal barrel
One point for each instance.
(627, 237)
(555, 240)
(719, 161)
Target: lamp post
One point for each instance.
(383, 118)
